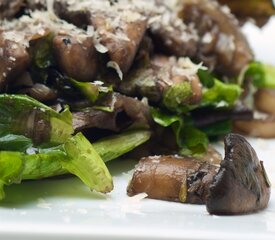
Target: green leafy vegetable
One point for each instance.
(262, 75)
(206, 78)
(218, 128)
(13, 142)
(221, 94)
(176, 96)
(91, 90)
(196, 141)
(11, 165)
(166, 119)
(83, 161)
(22, 115)
(190, 140)
(76, 156)
(112, 147)
(42, 57)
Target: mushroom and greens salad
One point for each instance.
(84, 82)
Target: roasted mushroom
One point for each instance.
(221, 44)
(265, 100)
(125, 112)
(14, 60)
(173, 178)
(238, 186)
(77, 59)
(260, 11)
(118, 30)
(169, 80)
(9, 8)
(263, 126)
(241, 185)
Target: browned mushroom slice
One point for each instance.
(260, 11)
(265, 100)
(126, 112)
(80, 18)
(36, 5)
(222, 46)
(172, 178)
(241, 185)
(40, 92)
(14, 60)
(161, 74)
(263, 127)
(9, 8)
(76, 58)
(119, 28)
(171, 36)
(121, 34)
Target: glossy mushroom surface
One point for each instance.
(241, 185)
(173, 178)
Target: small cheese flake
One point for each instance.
(114, 65)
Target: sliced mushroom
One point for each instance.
(40, 92)
(14, 60)
(221, 45)
(118, 29)
(159, 75)
(263, 127)
(121, 38)
(241, 185)
(265, 100)
(9, 8)
(173, 178)
(76, 59)
(260, 11)
(126, 111)
(171, 35)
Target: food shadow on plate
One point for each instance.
(29, 192)
(66, 186)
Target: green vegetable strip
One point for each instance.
(22, 115)
(83, 161)
(76, 156)
(262, 75)
(112, 147)
(191, 141)
(11, 165)
(221, 94)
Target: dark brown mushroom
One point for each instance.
(9, 8)
(14, 60)
(159, 75)
(241, 185)
(260, 11)
(40, 92)
(77, 59)
(80, 18)
(173, 178)
(121, 40)
(263, 127)
(126, 112)
(221, 44)
(265, 100)
(171, 36)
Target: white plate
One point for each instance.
(66, 209)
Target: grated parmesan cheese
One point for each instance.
(114, 65)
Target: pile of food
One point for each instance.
(85, 82)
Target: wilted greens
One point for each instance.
(63, 110)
